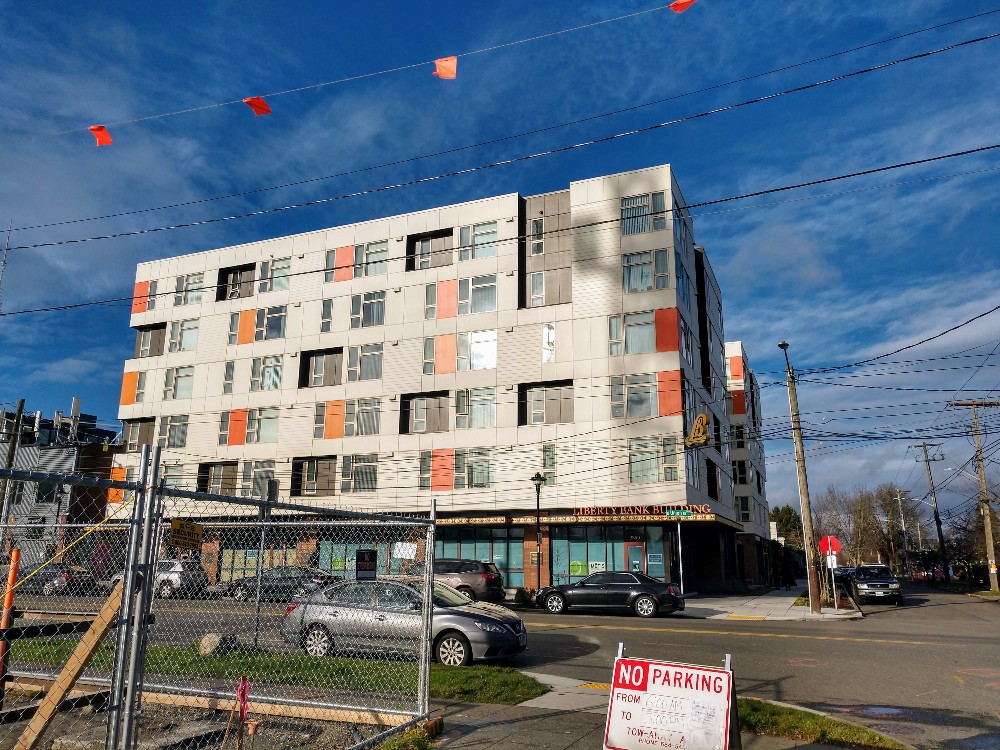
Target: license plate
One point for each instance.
(880, 593)
(522, 639)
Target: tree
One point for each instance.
(789, 524)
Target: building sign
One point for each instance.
(671, 511)
(657, 704)
(654, 559)
(598, 514)
(185, 534)
(699, 435)
(366, 562)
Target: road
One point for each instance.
(927, 673)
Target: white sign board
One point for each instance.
(657, 704)
(831, 561)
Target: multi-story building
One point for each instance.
(450, 354)
(749, 476)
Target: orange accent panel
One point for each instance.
(238, 427)
(116, 495)
(334, 425)
(667, 330)
(444, 354)
(129, 382)
(140, 297)
(739, 402)
(447, 298)
(442, 469)
(247, 328)
(668, 386)
(343, 263)
(736, 368)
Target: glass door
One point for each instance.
(635, 556)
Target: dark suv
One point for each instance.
(874, 582)
(477, 580)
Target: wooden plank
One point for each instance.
(75, 700)
(78, 661)
(40, 615)
(44, 631)
(278, 709)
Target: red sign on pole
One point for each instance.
(829, 545)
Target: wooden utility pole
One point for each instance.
(984, 498)
(808, 540)
(942, 550)
(13, 438)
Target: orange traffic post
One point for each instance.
(7, 616)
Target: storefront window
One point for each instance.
(501, 545)
(578, 551)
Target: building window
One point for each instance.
(548, 343)
(425, 470)
(687, 342)
(265, 373)
(691, 467)
(430, 301)
(235, 282)
(187, 290)
(326, 318)
(364, 362)
(478, 294)
(549, 463)
(270, 323)
(643, 460)
(740, 472)
(537, 236)
(419, 415)
(178, 383)
(183, 335)
(132, 436)
(274, 274)
(320, 367)
(173, 431)
(227, 376)
(367, 309)
(371, 259)
(475, 407)
(633, 395)
(140, 387)
(536, 287)
(361, 416)
(422, 253)
(173, 476)
(262, 425)
(478, 241)
(256, 475)
(683, 280)
(151, 296)
(319, 420)
(234, 328)
(476, 350)
(636, 336)
(224, 428)
(737, 436)
(642, 212)
(743, 503)
(536, 405)
(473, 468)
(359, 473)
(642, 272)
(428, 355)
(669, 459)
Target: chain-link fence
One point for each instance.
(305, 626)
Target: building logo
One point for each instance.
(699, 435)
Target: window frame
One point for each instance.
(537, 236)
(353, 410)
(274, 275)
(470, 247)
(429, 360)
(467, 293)
(467, 346)
(430, 301)
(319, 420)
(466, 462)
(364, 265)
(177, 336)
(357, 354)
(263, 322)
(259, 367)
(326, 316)
(621, 385)
(364, 306)
(348, 475)
(536, 298)
(172, 431)
(188, 288)
(653, 218)
(170, 382)
(548, 344)
(471, 397)
(257, 420)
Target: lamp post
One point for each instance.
(539, 480)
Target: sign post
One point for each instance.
(657, 704)
(830, 546)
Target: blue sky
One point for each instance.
(844, 271)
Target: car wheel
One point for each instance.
(317, 641)
(240, 594)
(453, 650)
(49, 589)
(468, 592)
(166, 591)
(555, 603)
(645, 606)
(899, 601)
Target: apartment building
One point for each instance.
(749, 476)
(450, 354)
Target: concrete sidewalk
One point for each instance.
(774, 605)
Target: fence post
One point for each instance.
(147, 569)
(264, 515)
(126, 611)
(423, 683)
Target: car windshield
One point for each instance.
(880, 572)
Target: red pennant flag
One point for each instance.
(258, 105)
(101, 134)
(679, 6)
(446, 68)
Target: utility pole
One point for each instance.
(902, 522)
(937, 516)
(12, 440)
(808, 541)
(991, 554)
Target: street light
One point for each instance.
(539, 480)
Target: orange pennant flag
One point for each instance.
(101, 134)
(258, 105)
(679, 6)
(446, 67)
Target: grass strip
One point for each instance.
(760, 717)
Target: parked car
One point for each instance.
(385, 617)
(475, 579)
(613, 590)
(57, 578)
(175, 578)
(842, 575)
(874, 582)
(280, 584)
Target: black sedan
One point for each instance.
(612, 590)
(280, 584)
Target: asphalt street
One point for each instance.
(927, 673)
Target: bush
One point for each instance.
(524, 596)
(412, 739)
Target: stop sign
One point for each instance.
(829, 545)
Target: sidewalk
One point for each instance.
(775, 605)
